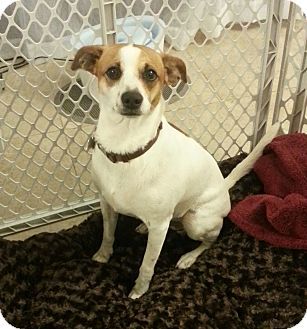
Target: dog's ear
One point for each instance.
(86, 58)
(175, 69)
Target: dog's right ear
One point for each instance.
(175, 69)
(86, 58)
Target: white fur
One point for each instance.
(177, 177)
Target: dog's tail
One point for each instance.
(247, 164)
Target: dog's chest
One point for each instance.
(131, 189)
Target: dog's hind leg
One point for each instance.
(175, 225)
(189, 258)
(109, 225)
(201, 228)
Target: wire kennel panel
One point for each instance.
(230, 48)
(48, 112)
(291, 100)
(46, 116)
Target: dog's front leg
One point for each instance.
(109, 225)
(156, 237)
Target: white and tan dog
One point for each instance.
(142, 166)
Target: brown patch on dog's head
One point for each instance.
(175, 69)
(109, 59)
(97, 60)
(151, 60)
(86, 58)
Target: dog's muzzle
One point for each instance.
(132, 101)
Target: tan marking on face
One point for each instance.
(150, 59)
(109, 58)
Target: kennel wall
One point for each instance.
(246, 64)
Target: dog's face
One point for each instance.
(130, 78)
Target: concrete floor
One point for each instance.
(45, 164)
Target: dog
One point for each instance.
(143, 166)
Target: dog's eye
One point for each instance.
(150, 75)
(114, 73)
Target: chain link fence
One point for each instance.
(240, 79)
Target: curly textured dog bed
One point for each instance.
(50, 281)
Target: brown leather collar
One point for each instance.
(116, 157)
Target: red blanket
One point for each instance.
(279, 216)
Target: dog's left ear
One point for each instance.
(86, 58)
(175, 69)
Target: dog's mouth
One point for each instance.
(130, 113)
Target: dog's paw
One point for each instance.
(140, 287)
(142, 229)
(134, 295)
(101, 257)
(186, 260)
(137, 293)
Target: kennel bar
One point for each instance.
(48, 112)
(298, 117)
(268, 68)
(290, 103)
(284, 61)
(108, 18)
(52, 217)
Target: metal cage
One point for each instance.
(246, 64)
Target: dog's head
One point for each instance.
(130, 77)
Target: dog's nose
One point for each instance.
(132, 100)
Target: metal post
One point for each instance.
(298, 116)
(1, 82)
(274, 20)
(107, 19)
(284, 61)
